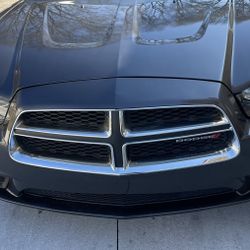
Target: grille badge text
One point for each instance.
(198, 138)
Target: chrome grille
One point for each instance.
(81, 152)
(164, 118)
(129, 141)
(153, 121)
(172, 149)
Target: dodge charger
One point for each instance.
(124, 108)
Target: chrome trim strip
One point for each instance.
(62, 165)
(129, 134)
(61, 140)
(23, 130)
(12, 193)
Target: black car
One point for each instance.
(125, 108)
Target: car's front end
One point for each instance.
(116, 123)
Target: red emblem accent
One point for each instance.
(215, 136)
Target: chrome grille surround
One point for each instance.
(127, 138)
(85, 122)
(98, 134)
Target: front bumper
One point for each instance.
(168, 208)
(187, 189)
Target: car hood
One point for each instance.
(66, 41)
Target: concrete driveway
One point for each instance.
(6, 3)
(26, 228)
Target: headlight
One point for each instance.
(3, 110)
(244, 98)
(246, 94)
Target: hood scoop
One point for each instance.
(71, 25)
(164, 22)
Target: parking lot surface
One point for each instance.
(27, 228)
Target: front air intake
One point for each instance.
(167, 118)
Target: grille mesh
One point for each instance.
(170, 150)
(75, 120)
(65, 150)
(153, 119)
